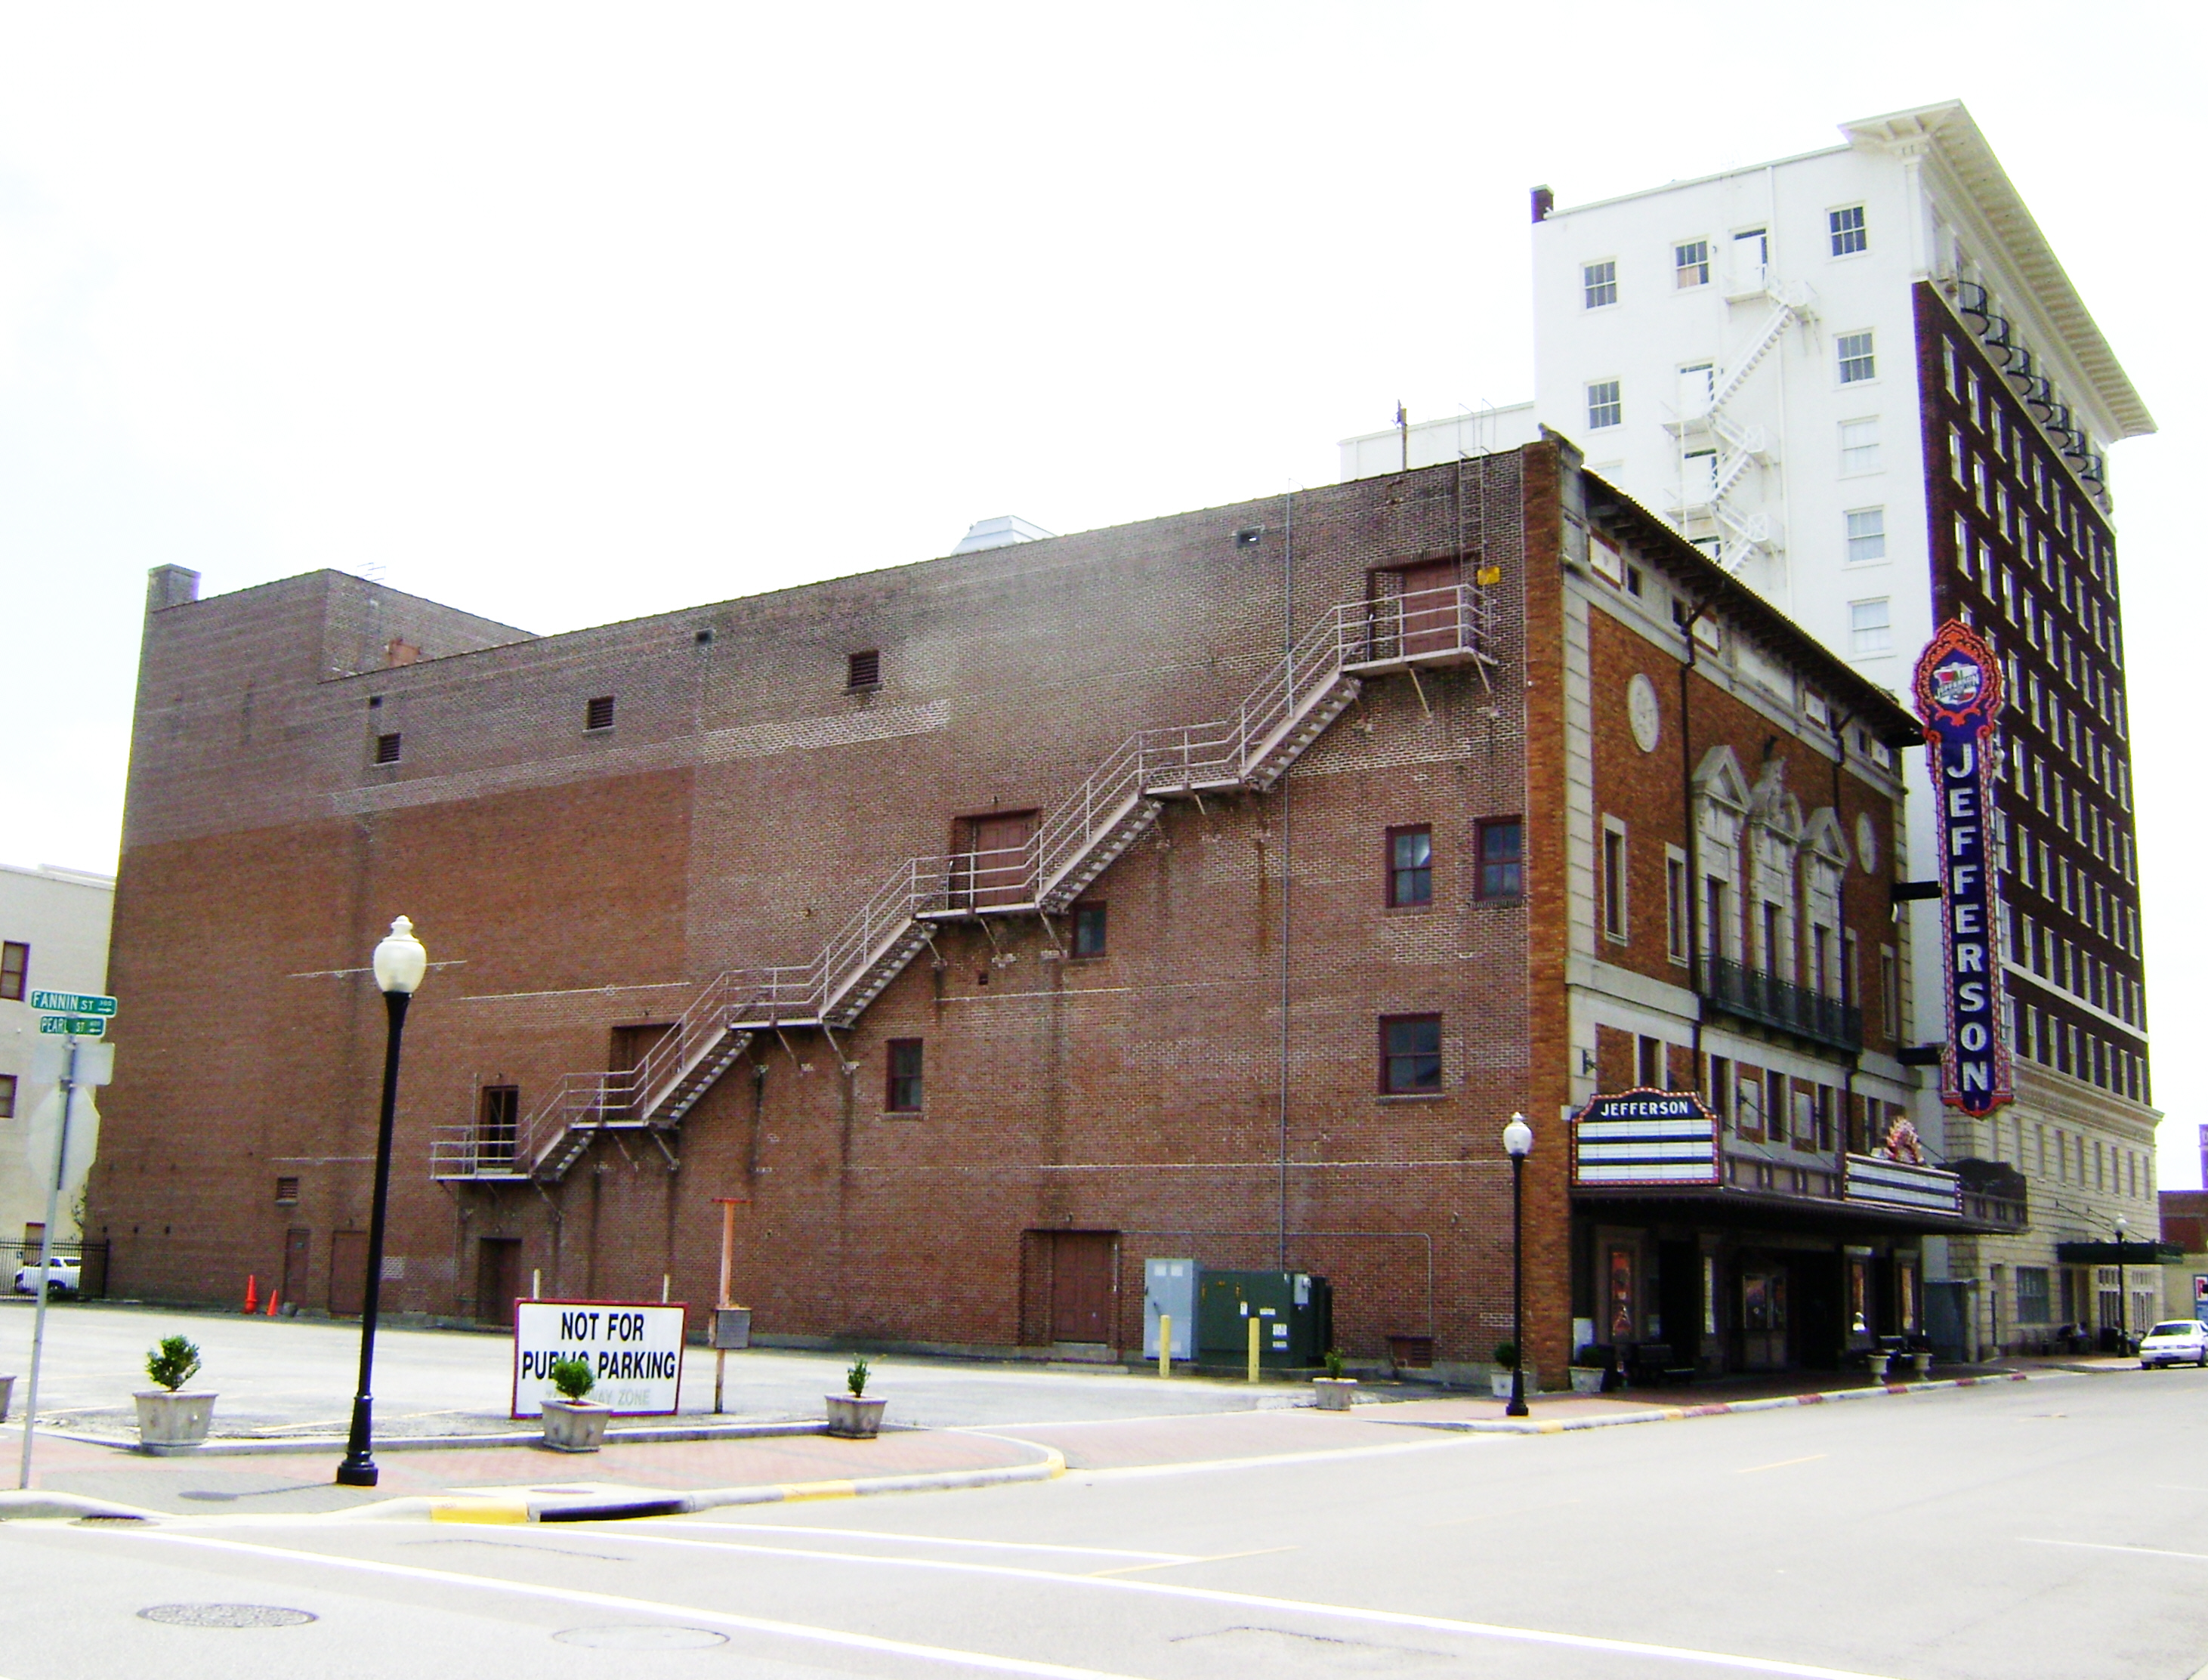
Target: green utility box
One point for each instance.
(1294, 1312)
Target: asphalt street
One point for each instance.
(2056, 1528)
(295, 1376)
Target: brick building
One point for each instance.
(1212, 886)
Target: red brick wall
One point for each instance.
(567, 884)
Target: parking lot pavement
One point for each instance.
(295, 1377)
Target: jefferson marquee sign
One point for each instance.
(1958, 694)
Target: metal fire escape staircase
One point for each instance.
(1746, 532)
(1122, 799)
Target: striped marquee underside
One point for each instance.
(1679, 1149)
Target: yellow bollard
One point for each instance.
(1165, 1344)
(1253, 1347)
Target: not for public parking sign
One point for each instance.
(635, 1352)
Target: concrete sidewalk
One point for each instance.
(477, 1481)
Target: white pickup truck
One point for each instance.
(62, 1277)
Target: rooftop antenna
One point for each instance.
(1403, 426)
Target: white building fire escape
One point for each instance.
(1717, 450)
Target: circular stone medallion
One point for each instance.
(1867, 843)
(225, 1616)
(1643, 712)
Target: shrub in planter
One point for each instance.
(852, 1415)
(574, 1423)
(1589, 1371)
(1334, 1392)
(1506, 1354)
(170, 1421)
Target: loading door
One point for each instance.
(1081, 1273)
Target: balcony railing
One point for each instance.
(1753, 995)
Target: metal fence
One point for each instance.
(91, 1258)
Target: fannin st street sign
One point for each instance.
(72, 1003)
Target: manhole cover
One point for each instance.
(225, 1616)
(642, 1636)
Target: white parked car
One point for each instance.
(62, 1276)
(2180, 1341)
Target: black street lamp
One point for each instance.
(399, 963)
(1518, 1141)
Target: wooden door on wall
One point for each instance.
(631, 1046)
(298, 1249)
(348, 1272)
(1427, 597)
(1082, 1264)
(498, 1273)
(991, 866)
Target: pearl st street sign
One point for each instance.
(72, 1003)
(76, 1014)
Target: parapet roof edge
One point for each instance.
(1865, 701)
(1693, 181)
(1949, 129)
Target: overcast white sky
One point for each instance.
(564, 315)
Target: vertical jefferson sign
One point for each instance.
(1958, 694)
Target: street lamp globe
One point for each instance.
(1518, 1137)
(400, 960)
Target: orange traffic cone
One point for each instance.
(252, 1293)
(272, 1300)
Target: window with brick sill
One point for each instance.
(386, 748)
(15, 965)
(6, 1096)
(1502, 858)
(1411, 1055)
(1089, 930)
(287, 1192)
(905, 1071)
(864, 670)
(598, 713)
(1410, 868)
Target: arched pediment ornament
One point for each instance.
(1717, 779)
(1826, 837)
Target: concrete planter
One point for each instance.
(1499, 1383)
(171, 1424)
(1923, 1363)
(854, 1419)
(7, 1392)
(1879, 1363)
(1334, 1394)
(1587, 1379)
(575, 1426)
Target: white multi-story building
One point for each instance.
(1860, 378)
(53, 938)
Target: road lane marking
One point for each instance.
(1390, 1618)
(1176, 1563)
(940, 1539)
(1782, 1464)
(2142, 1550)
(758, 1624)
(1319, 1455)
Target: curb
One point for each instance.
(441, 1509)
(32, 1505)
(1670, 1414)
(240, 1446)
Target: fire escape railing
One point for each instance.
(1249, 747)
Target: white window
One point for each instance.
(1606, 406)
(1691, 262)
(1598, 284)
(1858, 446)
(1849, 234)
(1699, 477)
(1857, 364)
(1866, 534)
(1698, 383)
(1870, 627)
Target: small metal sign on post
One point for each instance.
(83, 1066)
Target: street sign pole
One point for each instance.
(46, 1257)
